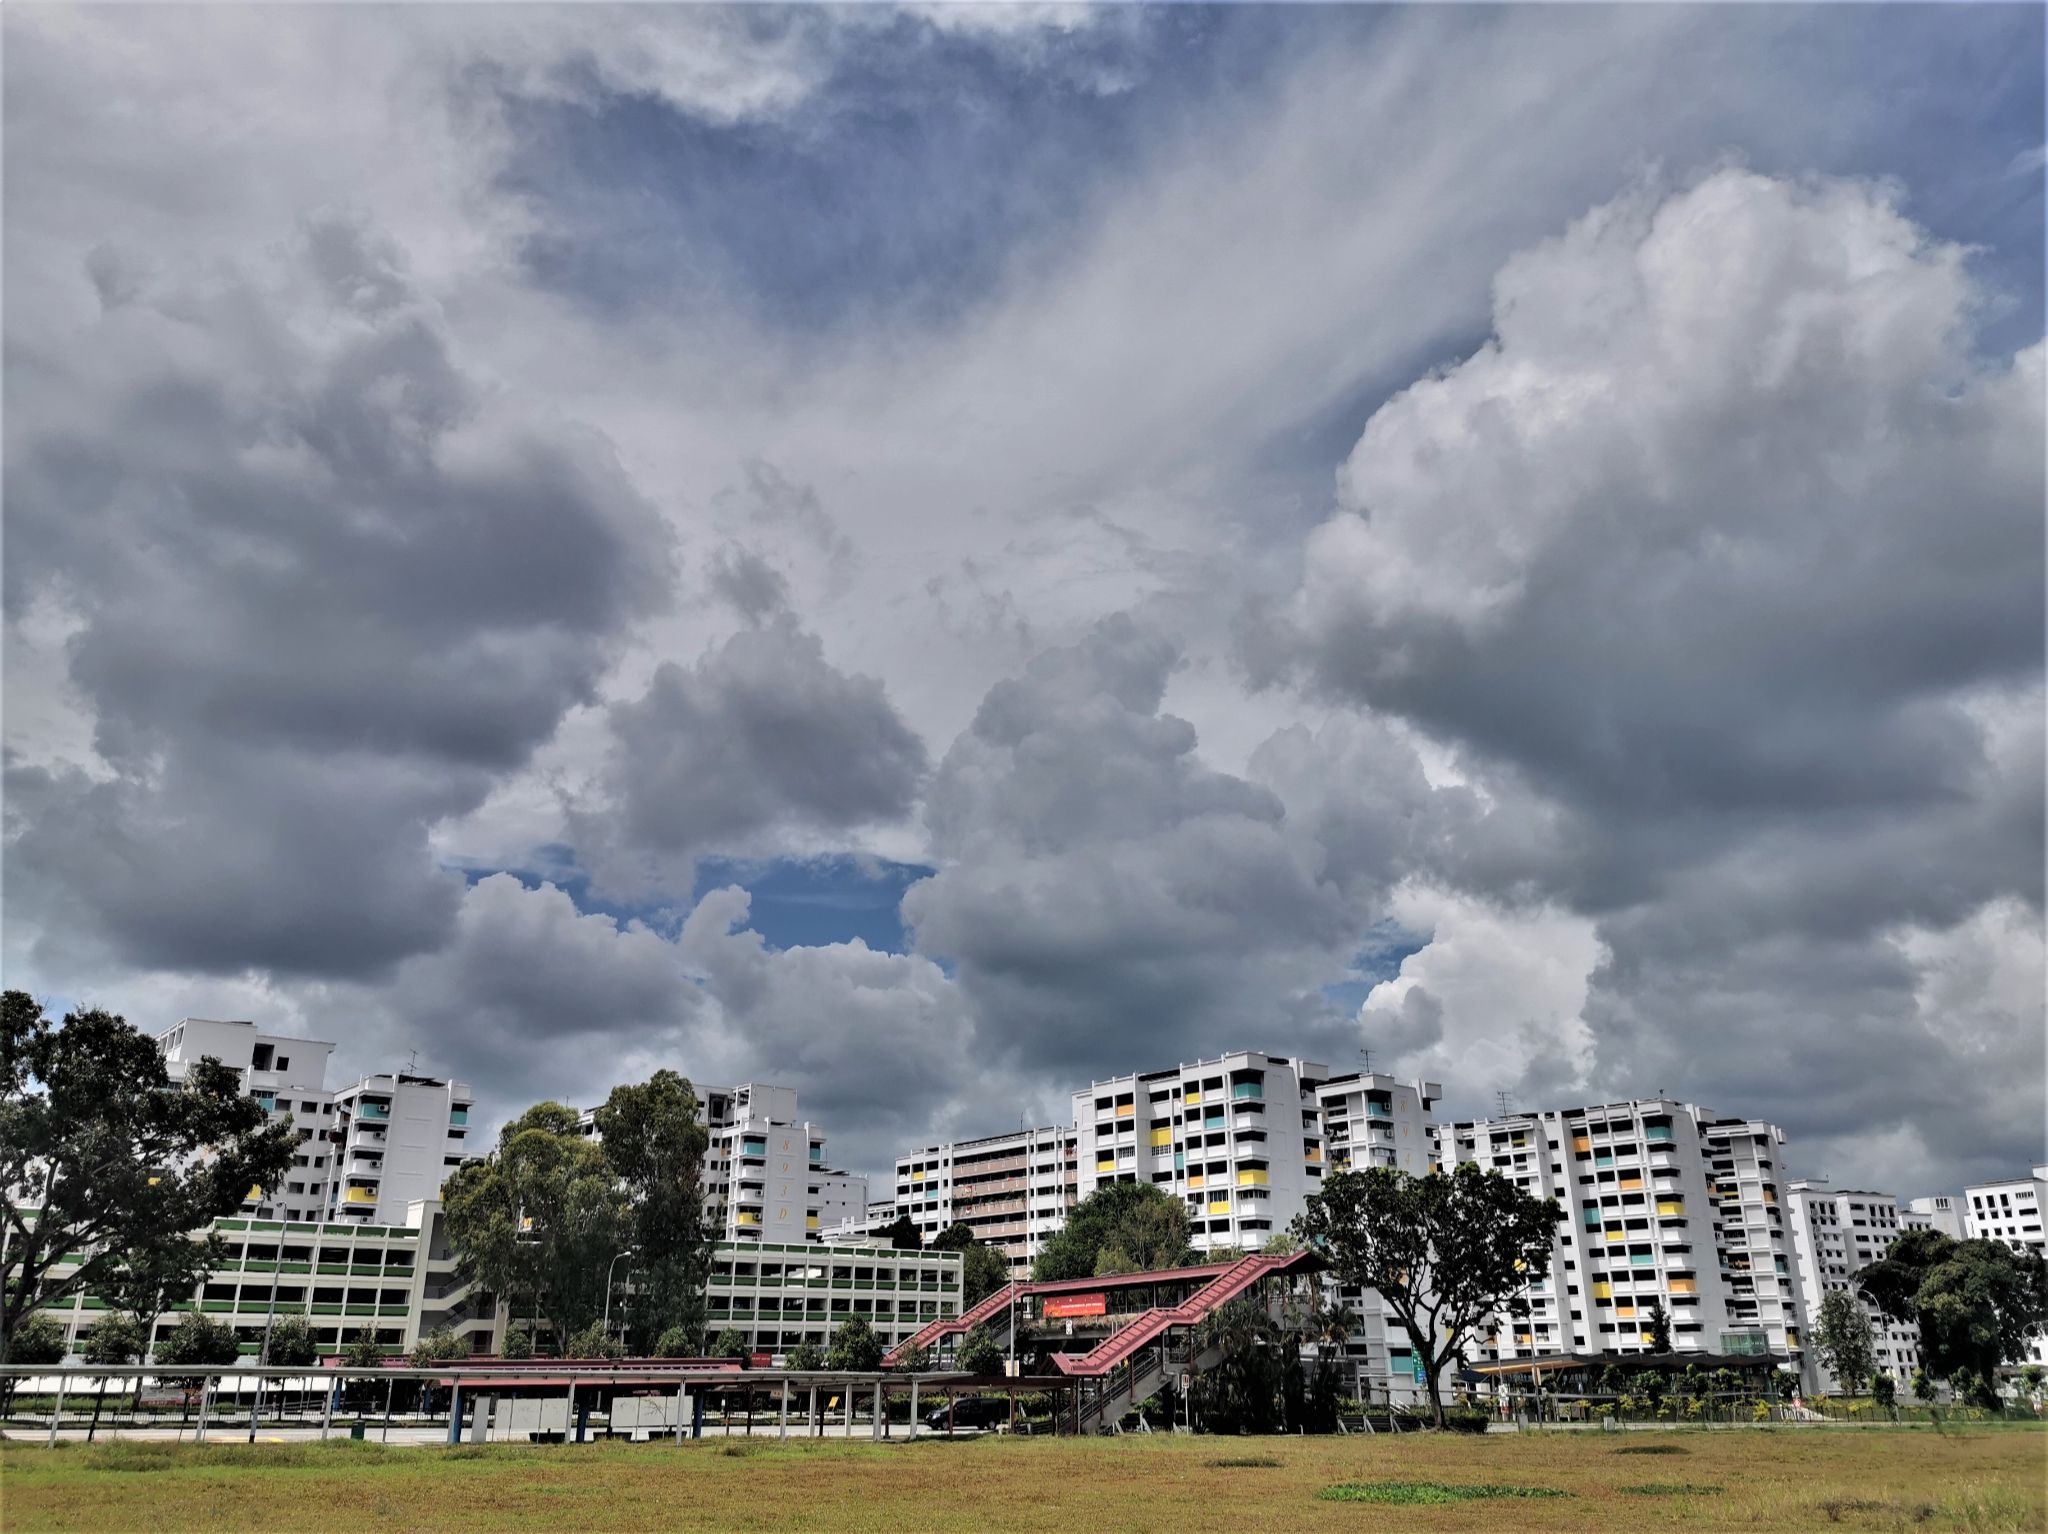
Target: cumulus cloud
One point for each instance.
(320, 586)
(1729, 545)
(762, 732)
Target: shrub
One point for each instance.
(806, 1355)
(518, 1342)
(438, 1346)
(38, 1340)
(730, 1343)
(594, 1341)
(198, 1339)
(1461, 1419)
(676, 1342)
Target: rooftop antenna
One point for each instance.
(412, 1062)
(1366, 1056)
(1505, 1102)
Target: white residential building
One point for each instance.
(2009, 1211)
(1012, 1190)
(1934, 1211)
(765, 1177)
(1836, 1233)
(399, 1136)
(1375, 1120)
(1663, 1201)
(288, 1078)
(1238, 1139)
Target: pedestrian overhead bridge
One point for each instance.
(1128, 1333)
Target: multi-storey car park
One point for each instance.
(778, 1295)
(1662, 1201)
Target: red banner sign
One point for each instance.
(1058, 1307)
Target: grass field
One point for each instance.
(1986, 1479)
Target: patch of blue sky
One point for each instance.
(1386, 946)
(796, 902)
(901, 190)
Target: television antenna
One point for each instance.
(1504, 1101)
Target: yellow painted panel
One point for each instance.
(1603, 1291)
(1219, 1206)
(1251, 1179)
(1162, 1137)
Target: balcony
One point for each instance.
(377, 1113)
(359, 1196)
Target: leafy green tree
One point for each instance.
(1113, 1262)
(1240, 1392)
(1448, 1252)
(1978, 1304)
(291, 1344)
(148, 1281)
(363, 1351)
(902, 1234)
(677, 1342)
(1923, 1386)
(855, 1347)
(1884, 1390)
(654, 1142)
(1140, 1224)
(915, 1357)
(517, 1342)
(2031, 1377)
(983, 1269)
(38, 1340)
(540, 1217)
(199, 1339)
(806, 1355)
(116, 1338)
(1659, 1326)
(438, 1346)
(731, 1343)
(1843, 1339)
(107, 1160)
(593, 1341)
(979, 1352)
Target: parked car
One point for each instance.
(971, 1411)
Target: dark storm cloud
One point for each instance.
(761, 732)
(323, 588)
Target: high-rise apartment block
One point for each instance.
(1238, 1139)
(366, 1152)
(1836, 1232)
(2009, 1211)
(765, 1177)
(1663, 1202)
(1012, 1190)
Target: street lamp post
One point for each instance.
(628, 1252)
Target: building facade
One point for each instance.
(779, 1295)
(1934, 1211)
(1012, 1190)
(396, 1138)
(1836, 1233)
(2009, 1211)
(1663, 1203)
(1237, 1139)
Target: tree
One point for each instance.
(806, 1355)
(291, 1344)
(1448, 1252)
(438, 1346)
(363, 1351)
(1884, 1390)
(1142, 1225)
(115, 1339)
(902, 1234)
(1659, 1323)
(517, 1342)
(979, 1352)
(542, 1216)
(677, 1342)
(1241, 1392)
(731, 1343)
(594, 1341)
(199, 1339)
(654, 1143)
(983, 1269)
(38, 1340)
(855, 1347)
(147, 1281)
(1978, 1304)
(914, 1358)
(1842, 1338)
(106, 1159)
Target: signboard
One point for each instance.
(761, 1360)
(1421, 1370)
(1059, 1305)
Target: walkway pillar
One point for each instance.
(782, 1411)
(57, 1411)
(875, 1427)
(913, 1408)
(454, 1414)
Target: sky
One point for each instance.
(933, 555)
